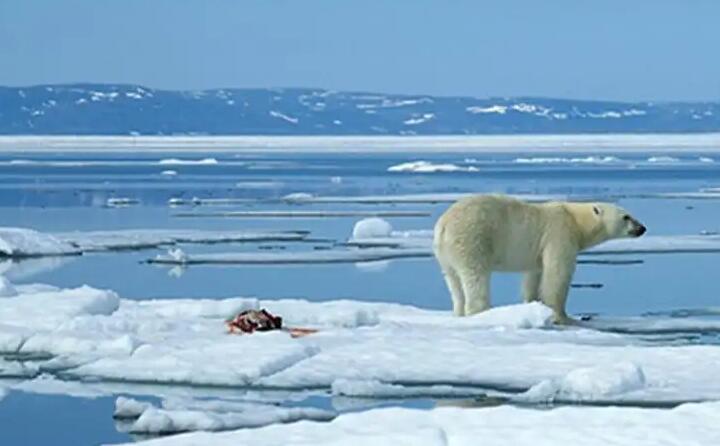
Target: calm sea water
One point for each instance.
(66, 192)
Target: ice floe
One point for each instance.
(430, 198)
(86, 333)
(305, 214)
(288, 257)
(22, 242)
(151, 238)
(377, 389)
(565, 160)
(187, 162)
(207, 415)
(686, 425)
(429, 167)
(120, 202)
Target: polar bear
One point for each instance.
(484, 233)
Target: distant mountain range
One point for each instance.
(109, 109)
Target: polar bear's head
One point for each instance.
(617, 222)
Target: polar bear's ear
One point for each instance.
(597, 210)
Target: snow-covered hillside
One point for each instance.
(105, 109)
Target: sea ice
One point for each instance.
(92, 334)
(22, 242)
(588, 383)
(686, 425)
(208, 415)
(429, 167)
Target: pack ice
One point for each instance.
(87, 333)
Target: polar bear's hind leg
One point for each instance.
(456, 291)
(476, 286)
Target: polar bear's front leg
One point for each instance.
(531, 286)
(476, 286)
(557, 272)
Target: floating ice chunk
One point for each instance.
(152, 238)
(562, 160)
(7, 289)
(295, 257)
(429, 167)
(121, 202)
(589, 383)
(500, 109)
(418, 198)
(663, 159)
(177, 254)
(21, 242)
(377, 389)
(129, 407)
(306, 214)
(164, 421)
(298, 197)
(372, 227)
(705, 159)
(181, 162)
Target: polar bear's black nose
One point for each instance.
(640, 231)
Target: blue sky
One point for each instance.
(625, 50)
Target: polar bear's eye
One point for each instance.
(626, 217)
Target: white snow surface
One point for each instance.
(686, 425)
(95, 335)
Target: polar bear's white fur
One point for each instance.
(485, 233)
